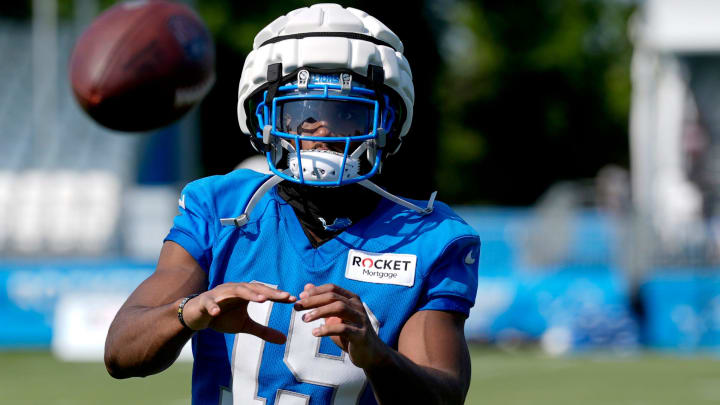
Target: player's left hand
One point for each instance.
(346, 322)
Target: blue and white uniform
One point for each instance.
(397, 261)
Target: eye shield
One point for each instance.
(339, 118)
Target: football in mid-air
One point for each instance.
(142, 64)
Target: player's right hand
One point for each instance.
(224, 309)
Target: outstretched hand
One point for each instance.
(346, 322)
(224, 309)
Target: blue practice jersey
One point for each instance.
(396, 260)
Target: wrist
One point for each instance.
(181, 311)
(380, 357)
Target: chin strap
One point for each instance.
(243, 218)
(397, 200)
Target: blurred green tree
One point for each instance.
(531, 93)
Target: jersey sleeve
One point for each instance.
(193, 227)
(451, 284)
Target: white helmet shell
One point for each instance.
(326, 51)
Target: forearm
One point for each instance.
(395, 379)
(144, 340)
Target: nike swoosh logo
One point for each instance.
(469, 259)
(181, 201)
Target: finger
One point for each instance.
(273, 294)
(234, 294)
(336, 309)
(263, 332)
(316, 301)
(329, 288)
(256, 292)
(338, 329)
(307, 287)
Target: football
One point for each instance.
(142, 64)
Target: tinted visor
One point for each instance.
(339, 118)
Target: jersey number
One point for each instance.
(303, 359)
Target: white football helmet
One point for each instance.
(326, 94)
(326, 38)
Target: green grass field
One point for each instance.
(526, 377)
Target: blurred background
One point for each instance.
(580, 138)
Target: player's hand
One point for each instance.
(346, 322)
(224, 309)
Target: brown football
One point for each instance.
(142, 64)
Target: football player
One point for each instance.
(311, 285)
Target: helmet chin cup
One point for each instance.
(322, 166)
